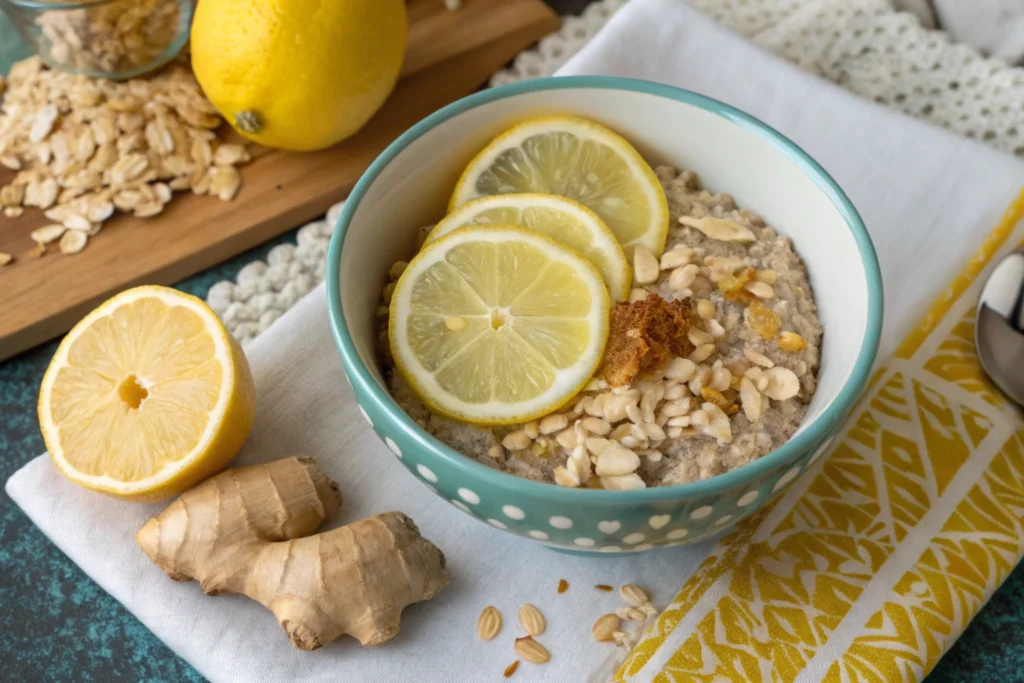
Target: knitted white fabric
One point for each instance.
(862, 45)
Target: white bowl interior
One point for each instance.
(413, 190)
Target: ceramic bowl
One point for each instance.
(409, 185)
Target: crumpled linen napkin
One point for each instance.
(925, 196)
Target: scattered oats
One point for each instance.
(682, 278)
(719, 229)
(634, 614)
(751, 400)
(43, 122)
(229, 155)
(550, 424)
(766, 276)
(5, 259)
(698, 337)
(100, 211)
(532, 620)
(47, 233)
(225, 182)
(596, 425)
(718, 425)
(148, 209)
(616, 460)
(759, 289)
(180, 183)
(645, 266)
(74, 221)
(162, 191)
(758, 358)
(488, 625)
(453, 4)
(13, 211)
(782, 383)
(625, 482)
(604, 587)
(494, 452)
(563, 585)
(637, 294)
(73, 138)
(676, 257)
(511, 668)
(705, 309)
(532, 651)
(516, 441)
(72, 242)
(532, 429)
(620, 637)
(605, 626)
(633, 594)
(702, 353)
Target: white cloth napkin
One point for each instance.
(927, 198)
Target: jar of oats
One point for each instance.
(103, 38)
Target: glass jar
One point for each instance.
(103, 38)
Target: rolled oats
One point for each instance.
(645, 266)
(532, 651)
(532, 620)
(633, 594)
(604, 627)
(488, 625)
(47, 233)
(73, 138)
(72, 242)
(782, 383)
(751, 400)
(719, 229)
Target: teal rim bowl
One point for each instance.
(376, 400)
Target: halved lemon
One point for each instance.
(561, 219)
(498, 324)
(146, 396)
(579, 159)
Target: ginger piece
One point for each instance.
(643, 335)
(247, 531)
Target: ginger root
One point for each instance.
(243, 531)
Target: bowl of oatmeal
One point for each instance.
(727, 370)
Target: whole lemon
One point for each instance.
(298, 74)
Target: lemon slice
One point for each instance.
(579, 159)
(498, 324)
(561, 219)
(146, 396)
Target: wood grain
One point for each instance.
(449, 55)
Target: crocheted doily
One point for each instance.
(862, 45)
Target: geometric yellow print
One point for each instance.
(871, 571)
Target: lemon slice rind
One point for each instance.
(616, 270)
(656, 233)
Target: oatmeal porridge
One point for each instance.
(708, 366)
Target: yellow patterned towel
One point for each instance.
(873, 564)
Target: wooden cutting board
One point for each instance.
(450, 54)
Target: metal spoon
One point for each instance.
(999, 326)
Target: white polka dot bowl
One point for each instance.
(408, 186)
